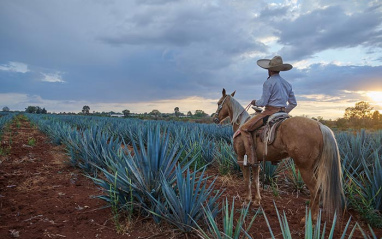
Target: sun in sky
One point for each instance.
(376, 96)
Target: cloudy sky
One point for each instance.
(160, 54)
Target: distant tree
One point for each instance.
(35, 110)
(189, 114)
(360, 115)
(155, 113)
(5, 109)
(126, 113)
(361, 110)
(177, 113)
(200, 113)
(31, 109)
(38, 110)
(86, 109)
(376, 116)
(341, 123)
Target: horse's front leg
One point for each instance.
(247, 180)
(256, 183)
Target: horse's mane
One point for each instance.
(240, 115)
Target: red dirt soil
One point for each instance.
(42, 196)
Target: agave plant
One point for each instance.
(293, 175)
(230, 229)
(226, 158)
(142, 174)
(5, 119)
(271, 172)
(185, 198)
(364, 193)
(362, 178)
(365, 235)
(354, 149)
(312, 230)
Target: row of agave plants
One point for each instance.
(158, 168)
(4, 119)
(361, 156)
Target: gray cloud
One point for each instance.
(130, 51)
(329, 28)
(332, 79)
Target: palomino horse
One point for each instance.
(311, 144)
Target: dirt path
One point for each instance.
(43, 197)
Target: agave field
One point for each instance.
(169, 171)
(4, 119)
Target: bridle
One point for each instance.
(220, 107)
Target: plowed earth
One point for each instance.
(42, 196)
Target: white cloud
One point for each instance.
(321, 97)
(11, 98)
(327, 110)
(13, 66)
(53, 77)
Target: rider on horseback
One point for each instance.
(276, 93)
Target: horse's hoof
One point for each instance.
(256, 203)
(246, 202)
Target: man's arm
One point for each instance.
(291, 102)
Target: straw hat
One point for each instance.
(275, 64)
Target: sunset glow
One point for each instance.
(376, 96)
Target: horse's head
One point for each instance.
(223, 110)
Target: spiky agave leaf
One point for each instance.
(312, 230)
(230, 229)
(184, 200)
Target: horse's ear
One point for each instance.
(223, 92)
(233, 93)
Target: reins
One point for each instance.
(245, 109)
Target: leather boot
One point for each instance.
(249, 148)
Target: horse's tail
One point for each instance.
(329, 173)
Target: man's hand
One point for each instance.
(253, 102)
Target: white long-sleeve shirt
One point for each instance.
(277, 92)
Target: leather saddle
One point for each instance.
(267, 132)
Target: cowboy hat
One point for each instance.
(275, 64)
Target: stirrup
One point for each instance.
(245, 162)
(248, 164)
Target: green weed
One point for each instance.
(31, 141)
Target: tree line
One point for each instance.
(156, 113)
(362, 115)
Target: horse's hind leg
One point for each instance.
(311, 183)
(256, 183)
